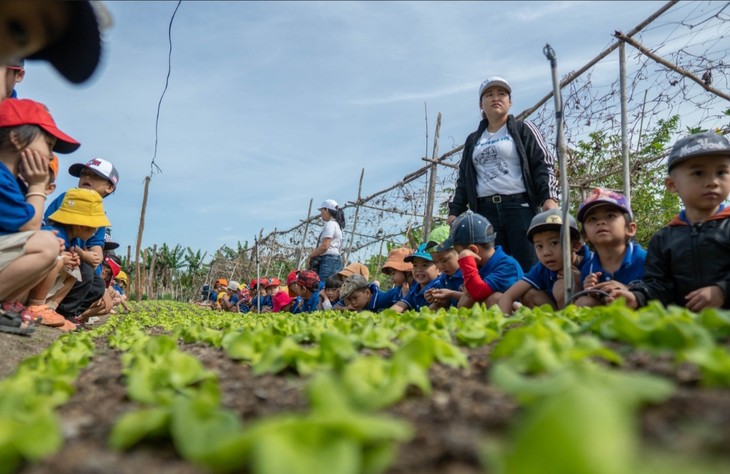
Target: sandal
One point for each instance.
(13, 323)
(17, 309)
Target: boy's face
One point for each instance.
(294, 289)
(84, 232)
(446, 261)
(358, 299)
(702, 183)
(549, 249)
(333, 294)
(90, 180)
(398, 278)
(271, 290)
(106, 272)
(424, 271)
(605, 226)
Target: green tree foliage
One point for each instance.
(596, 162)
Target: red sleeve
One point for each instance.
(478, 289)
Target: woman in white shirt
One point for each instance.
(325, 259)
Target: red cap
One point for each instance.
(115, 268)
(280, 300)
(15, 112)
(291, 277)
(264, 282)
(273, 282)
(308, 279)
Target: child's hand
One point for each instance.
(469, 253)
(708, 297)
(440, 295)
(428, 294)
(405, 288)
(591, 280)
(33, 167)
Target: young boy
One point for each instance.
(229, 302)
(688, 261)
(545, 283)
(329, 297)
(487, 270)
(77, 219)
(361, 295)
(608, 227)
(29, 257)
(308, 282)
(101, 176)
(451, 283)
(425, 275)
(400, 273)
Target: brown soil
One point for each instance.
(449, 425)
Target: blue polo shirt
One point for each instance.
(541, 277)
(392, 296)
(416, 299)
(311, 304)
(63, 234)
(632, 266)
(454, 282)
(501, 271)
(15, 211)
(379, 299)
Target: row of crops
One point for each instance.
(578, 405)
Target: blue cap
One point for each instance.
(469, 228)
(420, 252)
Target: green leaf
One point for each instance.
(136, 425)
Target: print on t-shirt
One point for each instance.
(488, 159)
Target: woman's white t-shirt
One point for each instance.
(332, 231)
(497, 164)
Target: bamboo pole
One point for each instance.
(354, 220)
(624, 121)
(670, 65)
(151, 280)
(144, 269)
(428, 214)
(140, 231)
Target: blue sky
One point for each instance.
(273, 103)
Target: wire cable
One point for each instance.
(153, 165)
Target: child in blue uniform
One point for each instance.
(361, 295)
(400, 273)
(28, 256)
(545, 283)
(308, 282)
(486, 269)
(607, 225)
(425, 275)
(451, 283)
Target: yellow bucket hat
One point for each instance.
(121, 276)
(81, 207)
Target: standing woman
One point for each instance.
(325, 259)
(506, 173)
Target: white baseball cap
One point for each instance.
(494, 81)
(330, 204)
(99, 166)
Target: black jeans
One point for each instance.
(83, 294)
(511, 216)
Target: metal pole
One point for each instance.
(564, 190)
(258, 276)
(624, 121)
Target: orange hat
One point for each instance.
(396, 260)
(53, 166)
(221, 281)
(355, 269)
